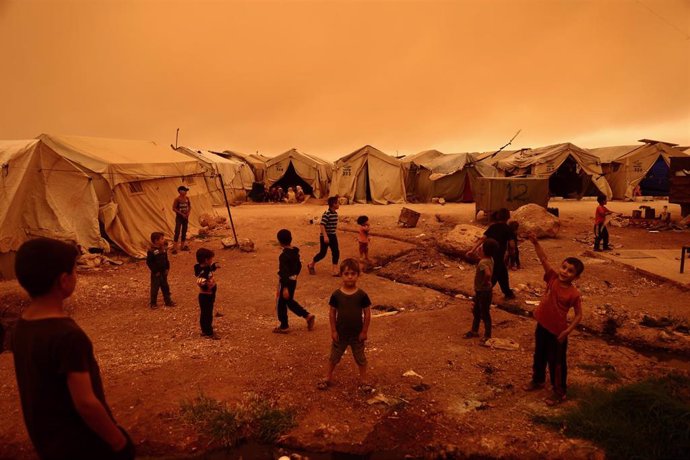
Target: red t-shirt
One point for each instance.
(552, 311)
(600, 214)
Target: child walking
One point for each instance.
(363, 240)
(551, 335)
(349, 317)
(158, 263)
(601, 233)
(203, 270)
(182, 207)
(289, 266)
(328, 237)
(59, 381)
(483, 291)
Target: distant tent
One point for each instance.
(237, 176)
(293, 168)
(256, 162)
(367, 175)
(646, 165)
(451, 177)
(410, 163)
(134, 184)
(573, 172)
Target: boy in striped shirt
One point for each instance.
(328, 237)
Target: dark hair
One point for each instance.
(155, 236)
(490, 247)
(502, 215)
(513, 224)
(577, 263)
(601, 199)
(41, 261)
(350, 263)
(361, 220)
(284, 237)
(332, 201)
(203, 254)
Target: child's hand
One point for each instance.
(562, 336)
(362, 336)
(532, 237)
(286, 294)
(334, 336)
(325, 240)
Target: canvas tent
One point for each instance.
(256, 162)
(572, 171)
(126, 187)
(367, 175)
(293, 168)
(237, 176)
(451, 177)
(411, 161)
(646, 165)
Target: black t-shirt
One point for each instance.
(502, 233)
(45, 351)
(349, 321)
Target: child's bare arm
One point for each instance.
(332, 314)
(92, 411)
(540, 253)
(365, 327)
(487, 277)
(576, 320)
(476, 246)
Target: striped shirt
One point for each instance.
(330, 221)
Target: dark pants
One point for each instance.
(500, 276)
(160, 281)
(601, 233)
(514, 258)
(548, 350)
(206, 302)
(482, 304)
(333, 244)
(283, 304)
(180, 224)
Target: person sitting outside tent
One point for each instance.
(280, 195)
(271, 194)
(291, 196)
(299, 194)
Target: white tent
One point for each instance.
(368, 174)
(237, 176)
(256, 161)
(293, 168)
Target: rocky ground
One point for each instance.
(153, 360)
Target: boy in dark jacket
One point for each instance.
(203, 270)
(289, 266)
(158, 263)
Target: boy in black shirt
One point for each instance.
(349, 317)
(59, 382)
(289, 266)
(158, 263)
(501, 232)
(203, 271)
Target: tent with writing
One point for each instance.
(369, 175)
(646, 166)
(572, 171)
(451, 177)
(237, 176)
(293, 168)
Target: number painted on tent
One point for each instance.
(517, 193)
(347, 170)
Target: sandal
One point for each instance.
(310, 322)
(279, 330)
(323, 385)
(555, 400)
(311, 269)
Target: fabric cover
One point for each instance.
(256, 161)
(313, 170)
(368, 166)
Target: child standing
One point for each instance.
(158, 263)
(203, 271)
(289, 266)
(59, 381)
(363, 240)
(328, 237)
(483, 290)
(600, 230)
(349, 316)
(551, 335)
(513, 249)
(501, 232)
(182, 207)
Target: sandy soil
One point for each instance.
(153, 360)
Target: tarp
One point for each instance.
(632, 163)
(237, 175)
(410, 168)
(311, 169)
(135, 183)
(256, 161)
(545, 161)
(451, 177)
(367, 174)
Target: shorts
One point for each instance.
(363, 248)
(339, 347)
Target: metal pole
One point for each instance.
(227, 206)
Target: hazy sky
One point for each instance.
(329, 77)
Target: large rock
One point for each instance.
(461, 239)
(534, 218)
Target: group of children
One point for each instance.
(59, 381)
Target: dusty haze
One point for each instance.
(328, 77)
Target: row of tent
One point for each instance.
(99, 192)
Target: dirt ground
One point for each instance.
(151, 360)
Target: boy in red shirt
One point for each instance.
(551, 335)
(600, 230)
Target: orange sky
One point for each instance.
(328, 77)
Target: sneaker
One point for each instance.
(533, 386)
(310, 322)
(483, 340)
(470, 335)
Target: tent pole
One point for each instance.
(227, 206)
